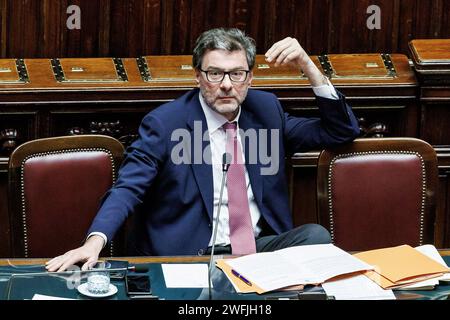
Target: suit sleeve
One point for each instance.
(136, 174)
(337, 124)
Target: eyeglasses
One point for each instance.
(216, 76)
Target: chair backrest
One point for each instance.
(55, 189)
(375, 193)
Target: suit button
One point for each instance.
(201, 252)
(210, 225)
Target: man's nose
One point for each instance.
(226, 83)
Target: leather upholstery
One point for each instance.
(61, 194)
(58, 193)
(377, 198)
(392, 189)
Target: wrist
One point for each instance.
(314, 75)
(318, 80)
(95, 242)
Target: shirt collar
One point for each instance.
(214, 120)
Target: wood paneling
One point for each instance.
(130, 28)
(38, 29)
(3, 27)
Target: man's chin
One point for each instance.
(226, 108)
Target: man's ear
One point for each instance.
(198, 74)
(250, 78)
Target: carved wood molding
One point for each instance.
(108, 128)
(373, 130)
(8, 141)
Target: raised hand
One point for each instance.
(289, 52)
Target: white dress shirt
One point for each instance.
(217, 137)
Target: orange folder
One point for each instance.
(399, 266)
(240, 285)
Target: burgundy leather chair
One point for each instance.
(376, 193)
(55, 188)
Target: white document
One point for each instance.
(38, 296)
(358, 287)
(309, 264)
(190, 275)
(421, 285)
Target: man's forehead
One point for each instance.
(223, 59)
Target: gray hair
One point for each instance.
(227, 39)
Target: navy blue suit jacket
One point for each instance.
(173, 203)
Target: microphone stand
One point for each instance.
(225, 166)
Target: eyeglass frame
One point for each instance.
(224, 74)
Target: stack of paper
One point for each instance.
(400, 266)
(357, 287)
(310, 264)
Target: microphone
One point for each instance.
(226, 160)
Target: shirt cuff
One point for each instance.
(100, 234)
(326, 91)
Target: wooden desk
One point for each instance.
(138, 260)
(26, 287)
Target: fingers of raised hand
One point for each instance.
(284, 51)
(287, 56)
(276, 48)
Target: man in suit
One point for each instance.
(171, 177)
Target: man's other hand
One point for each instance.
(88, 254)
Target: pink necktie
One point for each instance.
(241, 229)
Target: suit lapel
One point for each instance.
(202, 170)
